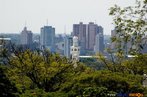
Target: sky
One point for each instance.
(61, 14)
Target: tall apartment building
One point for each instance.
(92, 31)
(26, 37)
(79, 30)
(86, 34)
(47, 37)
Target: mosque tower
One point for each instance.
(75, 50)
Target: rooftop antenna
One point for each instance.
(25, 26)
(95, 21)
(25, 23)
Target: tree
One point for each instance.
(42, 73)
(7, 88)
(130, 26)
(42, 70)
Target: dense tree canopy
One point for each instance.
(50, 75)
(7, 88)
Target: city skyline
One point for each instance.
(61, 14)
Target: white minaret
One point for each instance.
(75, 50)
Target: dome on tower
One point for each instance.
(75, 39)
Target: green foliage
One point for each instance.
(131, 27)
(135, 65)
(57, 94)
(94, 92)
(102, 83)
(41, 93)
(7, 88)
(93, 63)
(34, 93)
(44, 74)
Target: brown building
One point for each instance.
(86, 34)
(79, 30)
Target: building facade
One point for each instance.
(47, 37)
(79, 30)
(99, 43)
(26, 37)
(87, 35)
(92, 31)
(68, 41)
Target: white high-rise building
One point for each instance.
(99, 43)
(26, 37)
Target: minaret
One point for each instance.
(75, 50)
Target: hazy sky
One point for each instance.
(59, 13)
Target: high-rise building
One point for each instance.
(47, 37)
(92, 30)
(68, 41)
(79, 30)
(26, 37)
(86, 34)
(99, 43)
